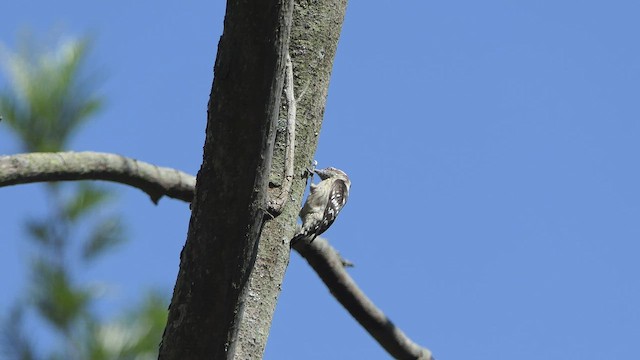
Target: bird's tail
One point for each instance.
(296, 239)
(302, 236)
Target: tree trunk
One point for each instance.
(222, 305)
(230, 200)
(314, 39)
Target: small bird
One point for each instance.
(324, 203)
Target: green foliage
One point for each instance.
(86, 199)
(105, 235)
(50, 95)
(57, 300)
(49, 98)
(134, 336)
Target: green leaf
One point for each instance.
(56, 298)
(87, 198)
(104, 237)
(39, 230)
(135, 336)
(50, 95)
(153, 315)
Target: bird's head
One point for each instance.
(330, 172)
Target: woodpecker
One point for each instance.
(324, 203)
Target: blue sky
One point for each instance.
(493, 149)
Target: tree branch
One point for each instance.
(157, 181)
(330, 266)
(154, 180)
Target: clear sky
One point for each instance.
(493, 148)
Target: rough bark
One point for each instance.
(314, 38)
(230, 200)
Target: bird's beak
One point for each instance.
(321, 172)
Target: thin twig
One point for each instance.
(277, 205)
(328, 264)
(40, 167)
